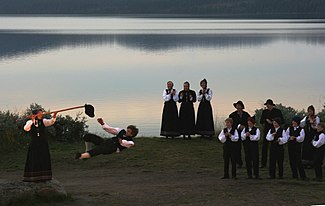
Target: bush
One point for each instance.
(65, 129)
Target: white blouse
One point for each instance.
(282, 140)
(252, 137)
(46, 122)
(222, 136)
(167, 97)
(208, 95)
(301, 136)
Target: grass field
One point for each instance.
(165, 172)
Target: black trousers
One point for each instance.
(251, 157)
(265, 148)
(276, 157)
(229, 154)
(318, 161)
(294, 150)
(239, 156)
(102, 146)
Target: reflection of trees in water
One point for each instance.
(19, 44)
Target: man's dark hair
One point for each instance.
(134, 129)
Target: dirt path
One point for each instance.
(120, 187)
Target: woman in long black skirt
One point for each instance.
(38, 162)
(204, 122)
(186, 114)
(169, 123)
(309, 123)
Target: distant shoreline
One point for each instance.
(182, 16)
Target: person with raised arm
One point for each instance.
(123, 139)
(38, 162)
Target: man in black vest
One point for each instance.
(122, 140)
(295, 136)
(240, 122)
(268, 115)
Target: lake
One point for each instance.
(121, 65)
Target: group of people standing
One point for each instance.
(183, 123)
(305, 139)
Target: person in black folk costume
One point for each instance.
(296, 136)
(250, 137)
(186, 114)
(122, 140)
(240, 122)
(319, 150)
(169, 123)
(277, 136)
(38, 162)
(268, 115)
(229, 137)
(204, 122)
(309, 123)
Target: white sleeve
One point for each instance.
(257, 136)
(243, 135)
(127, 144)
(269, 136)
(175, 97)
(111, 130)
(303, 122)
(301, 137)
(284, 138)
(28, 125)
(199, 96)
(320, 142)
(222, 137)
(235, 137)
(166, 96)
(208, 95)
(49, 122)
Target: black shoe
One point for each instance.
(249, 177)
(280, 177)
(78, 155)
(225, 177)
(258, 178)
(271, 178)
(262, 166)
(234, 178)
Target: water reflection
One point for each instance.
(20, 44)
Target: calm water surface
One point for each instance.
(121, 65)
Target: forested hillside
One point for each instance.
(221, 8)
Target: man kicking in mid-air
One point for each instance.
(122, 140)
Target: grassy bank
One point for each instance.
(166, 172)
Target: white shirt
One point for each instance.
(167, 97)
(208, 95)
(46, 122)
(222, 136)
(282, 140)
(314, 126)
(301, 136)
(115, 131)
(320, 142)
(252, 137)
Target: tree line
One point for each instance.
(221, 8)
